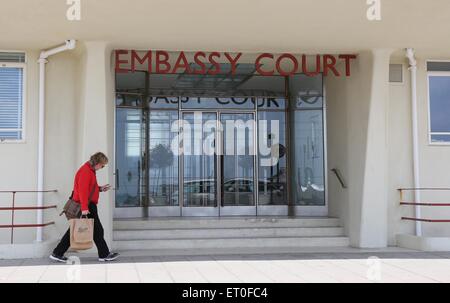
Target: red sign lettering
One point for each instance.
(285, 64)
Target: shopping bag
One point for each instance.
(81, 233)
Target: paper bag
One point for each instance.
(81, 234)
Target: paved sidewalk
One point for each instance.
(302, 267)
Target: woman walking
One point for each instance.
(86, 192)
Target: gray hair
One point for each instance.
(98, 158)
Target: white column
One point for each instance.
(374, 204)
(97, 120)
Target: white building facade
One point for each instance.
(340, 86)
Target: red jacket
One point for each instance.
(85, 182)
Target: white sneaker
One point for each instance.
(111, 257)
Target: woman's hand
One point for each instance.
(85, 213)
(104, 188)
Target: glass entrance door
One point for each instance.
(218, 164)
(199, 163)
(237, 164)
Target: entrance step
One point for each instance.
(262, 242)
(227, 233)
(247, 232)
(223, 222)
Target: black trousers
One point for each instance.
(99, 240)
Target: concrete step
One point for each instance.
(247, 232)
(226, 243)
(222, 222)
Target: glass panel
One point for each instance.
(303, 100)
(440, 138)
(200, 181)
(12, 57)
(271, 103)
(243, 84)
(219, 102)
(221, 82)
(163, 168)
(132, 82)
(163, 102)
(438, 66)
(272, 172)
(440, 103)
(271, 86)
(10, 135)
(129, 99)
(238, 159)
(129, 138)
(306, 91)
(308, 168)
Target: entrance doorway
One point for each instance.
(188, 148)
(219, 170)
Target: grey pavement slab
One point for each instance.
(365, 266)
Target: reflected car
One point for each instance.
(197, 193)
(236, 191)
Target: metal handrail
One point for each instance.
(419, 203)
(13, 208)
(339, 176)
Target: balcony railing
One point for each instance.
(13, 208)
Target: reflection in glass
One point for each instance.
(301, 84)
(129, 100)
(238, 160)
(308, 169)
(129, 136)
(271, 103)
(272, 179)
(440, 138)
(199, 186)
(306, 100)
(163, 102)
(217, 102)
(131, 82)
(163, 164)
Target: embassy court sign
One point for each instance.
(286, 64)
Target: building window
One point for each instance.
(439, 101)
(11, 98)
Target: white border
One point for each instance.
(24, 97)
(434, 74)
